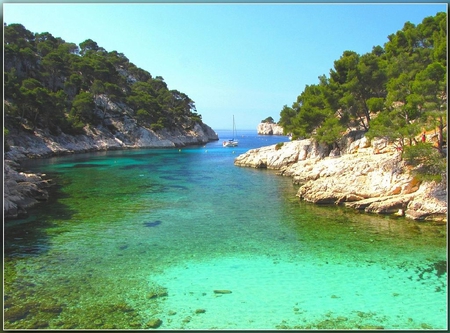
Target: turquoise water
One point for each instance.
(133, 236)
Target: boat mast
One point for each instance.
(234, 128)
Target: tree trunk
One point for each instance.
(367, 112)
(441, 135)
(361, 121)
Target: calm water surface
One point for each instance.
(188, 238)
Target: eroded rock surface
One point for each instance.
(368, 176)
(269, 129)
(21, 190)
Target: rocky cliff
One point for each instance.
(368, 176)
(117, 130)
(63, 98)
(269, 129)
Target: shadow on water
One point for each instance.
(87, 165)
(28, 237)
(145, 167)
(439, 268)
(151, 224)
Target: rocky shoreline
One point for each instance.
(23, 189)
(367, 176)
(269, 129)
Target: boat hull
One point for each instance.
(230, 143)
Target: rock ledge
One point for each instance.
(369, 177)
(269, 129)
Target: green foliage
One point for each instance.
(74, 125)
(330, 131)
(82, 107)
(52, 83)
(308, 113)
(395, 91)
(357, 84)
(142, 115)
(279, 145)
(375, 104)
(157, 126)
(197, 118)
(5, 144)
(287, 119)
(428, 162)
(268, 120)
(394, 126)
(88, 46)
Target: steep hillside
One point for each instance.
(62, 98)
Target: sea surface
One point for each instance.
(183, 239)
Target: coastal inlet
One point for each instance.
(170, 239)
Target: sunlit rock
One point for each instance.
(269, 129)
(371, 178)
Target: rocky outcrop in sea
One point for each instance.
(367, 176)
(269, 129)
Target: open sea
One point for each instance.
(183, 239)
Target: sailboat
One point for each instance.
(232, 142)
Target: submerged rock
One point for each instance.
(16, 313)
(156, 294)
(222, 291)
(154, 323)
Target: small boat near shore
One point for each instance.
(231, 142)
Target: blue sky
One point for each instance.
(246, 60)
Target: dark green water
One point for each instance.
(133, 236)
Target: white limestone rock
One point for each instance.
(280, 156)
(430, 203)
(366, 178)
(269, 129)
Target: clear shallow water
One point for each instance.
(132, 236)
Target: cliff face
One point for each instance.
(118, 130)
(269, 129)
(369, 177)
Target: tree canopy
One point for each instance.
(395, 91)
(52, 83)
(268, 120)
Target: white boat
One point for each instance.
(231, 142)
